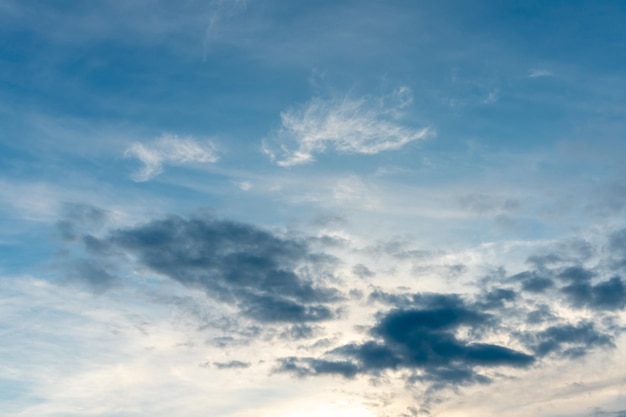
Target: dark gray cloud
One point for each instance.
(484, 204)
(580, 285)
(568, 251)
(533, 281)
(362, 271)
(617, 241)
(617, 246)
(567, 340)
(438, 339)
(423, 339)
(542, 314)
(231, 365)
(409, 300)
(270, 278)
(441, 377)
(94, 274)
(310, 366)
(497, 298)
(600, 413)
(576, 274)
(299, 331)
(606, 295)
(77, 218)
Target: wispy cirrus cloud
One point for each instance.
(540, 72)
(169, 149)
(365, 125)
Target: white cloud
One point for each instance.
(367, 125)
(538, 72)
(492, 97)
(169, 149)
(244, 185)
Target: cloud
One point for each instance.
(221, 10)
(533, 282)
(362, 271)
(268, 277)
(169, 149)
(96, 276)
(423, 338)
(366, 125)
(80, 216)
(231, 365)
(580, 289)
(540, 72)
(311, 366)
(569, 340)
(606, 295)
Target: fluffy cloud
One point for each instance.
(366, 125)
(169, 149)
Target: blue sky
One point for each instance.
(270, 208)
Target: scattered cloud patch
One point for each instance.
(533, 281)
(606, 295)
(244, 185)
(540, 72)
(231, 365)
(169, 149)
(366, 125)
(310, 366)
(569, 340)
(268, 277)
(422, 336)
(581, 287)
(491, 97)
(96, 276)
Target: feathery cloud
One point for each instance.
(367, 125)
(169, 149)
(540, 72)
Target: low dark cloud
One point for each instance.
(542, 314)
(533, 281)
(299, 331)
(310, 366)
(568, 251)
(425, 340)
(567, 340)
(362, 271)
(617, 247)
(77, 218)
(93, 274)
(437, 339)
(600, 413)
(617, 241)
(231, 365)
(497, 298)
(441, 377)
(606, 295)
(484, 204)
(270, 278)
(581, 286)
(576, 274)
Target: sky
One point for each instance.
(238, 208)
